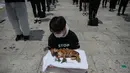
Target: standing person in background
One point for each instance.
(17, 14)
(36, 10)
(104, 3)
(93, 8)
(123, 4)
(112, 5)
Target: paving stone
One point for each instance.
(34, 47)
(11, 47)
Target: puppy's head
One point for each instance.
(54, 52)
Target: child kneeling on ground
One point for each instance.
(62, 36)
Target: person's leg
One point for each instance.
(106, 3)
(54, 3)
(110, 5)
(48, 5)
(119, 9)
(80, 5)
(39, 9)
(77, 3)
(103, 3)
(13, 18)
(21, 12)
(42, 2)
(124, 7)
(90, 12)
(34, 8)
(85, 6)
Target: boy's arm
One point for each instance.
(51, 42)
(75, 42)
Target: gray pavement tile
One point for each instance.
(7, 35)
(97, 36)
(121, 64)
(94, 47)
(34, 47)
(11, 47)
(101, 63)
(5, 66)
(118, 47)
(26, 64)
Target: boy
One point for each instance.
(62, 36)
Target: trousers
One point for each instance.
(17, 14)
(36, 7)
(123, 4)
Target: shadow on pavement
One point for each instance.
(36, 35)
(127, 17)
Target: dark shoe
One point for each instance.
(39, 21)
(80, 9)
(118, 14)
(26, 38)
(35, 21)
(19, 37)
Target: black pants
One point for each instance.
(52, 2)
(113, 4)
(123, 4)
(81, 3)
(42, 2)
(36, 8)
(75, 1)
(104, 2)
(48, 2)
(93, 8)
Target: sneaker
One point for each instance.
(19, 37)
(26, 38)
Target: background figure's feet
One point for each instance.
(80, 9)
(19, 37)
(111, 10)
(118, 14)
(105, 6)
(39, 21)
(35, 21)
(26, 38)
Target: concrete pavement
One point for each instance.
(107, 46)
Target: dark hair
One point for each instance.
(57, 24)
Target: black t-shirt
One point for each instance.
(70, 41)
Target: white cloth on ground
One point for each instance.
(50, 60)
